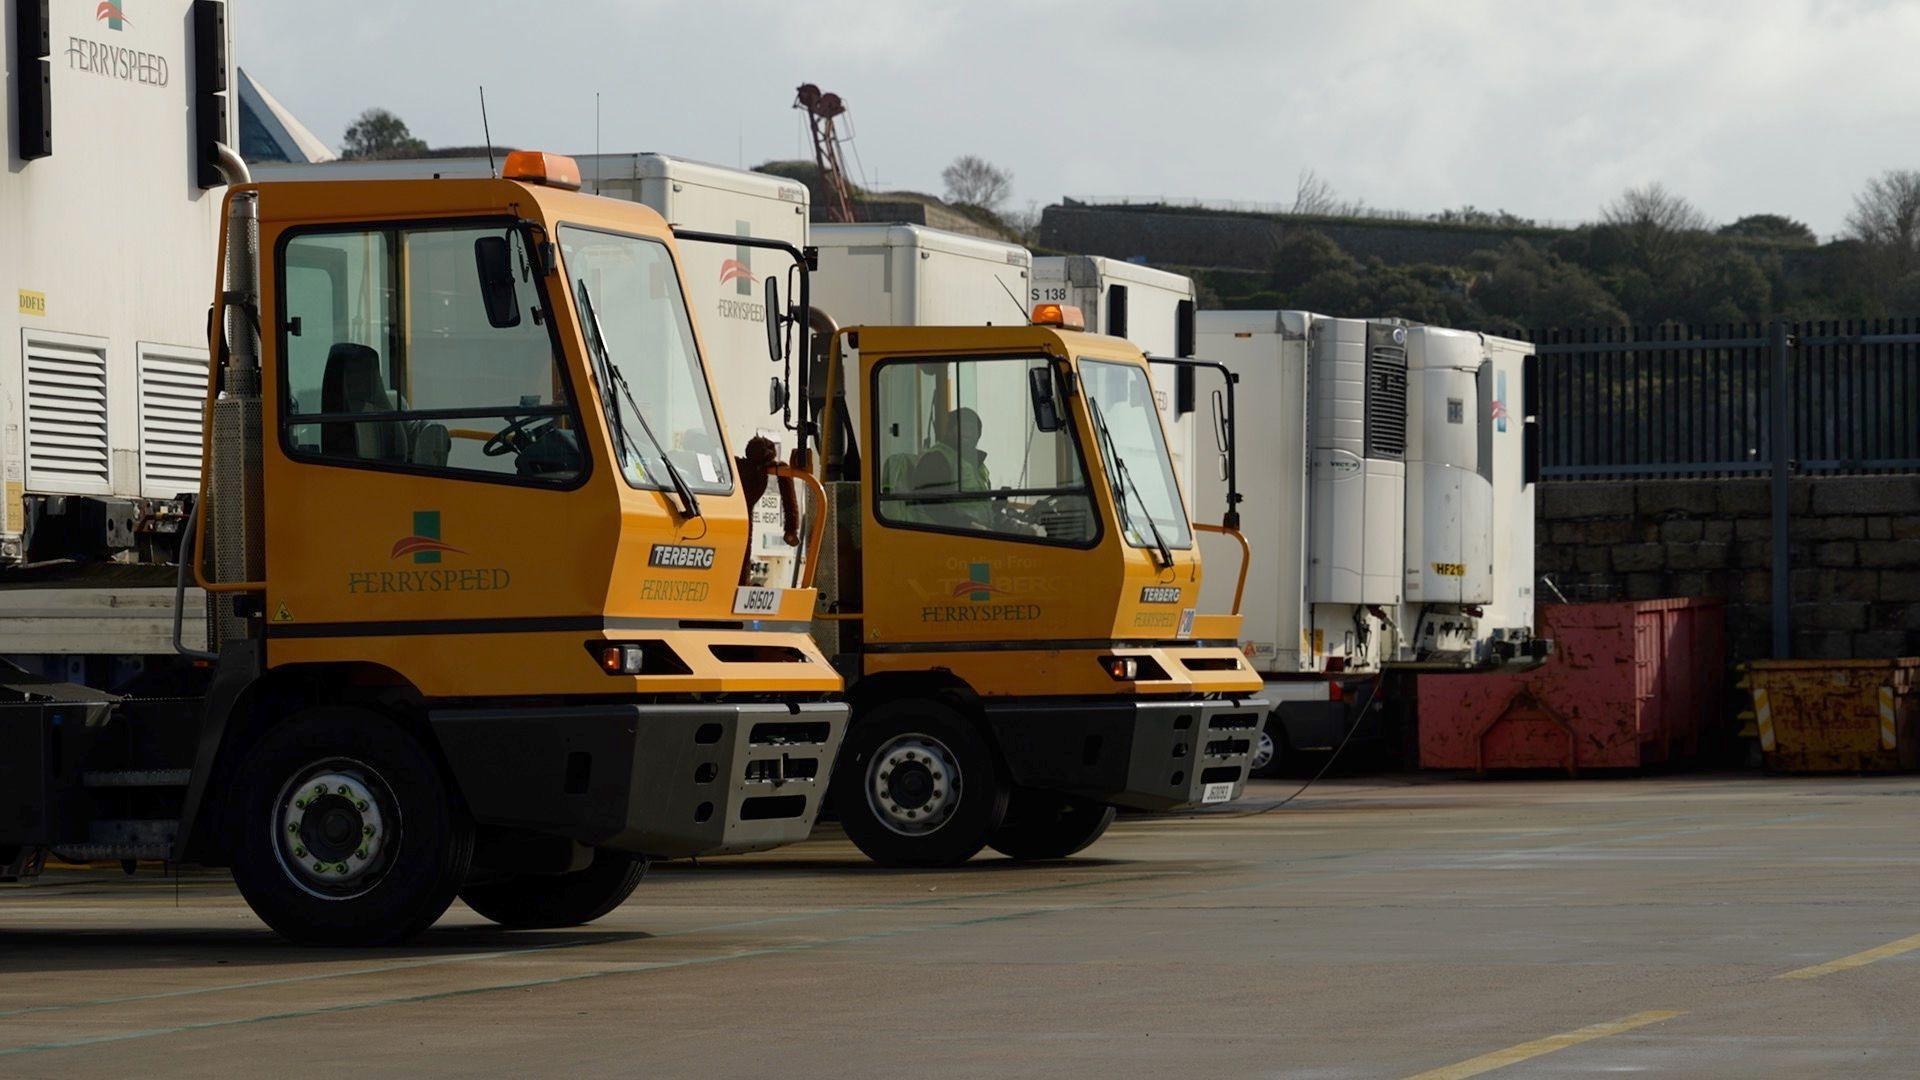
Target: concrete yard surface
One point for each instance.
(1403, 926)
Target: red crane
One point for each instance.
(821, 109)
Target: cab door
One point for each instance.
(979, 520)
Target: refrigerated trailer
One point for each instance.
(1150, 307)
(1390, 504)
(108, 194)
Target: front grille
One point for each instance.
(1386, 394)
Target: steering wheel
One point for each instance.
(517, 433)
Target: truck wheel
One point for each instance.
(546, 901)
(916, 785)
(346, 830)
(1269, 754)
(1049, 825)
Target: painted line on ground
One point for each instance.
(1526, 1051)
(1859, 959)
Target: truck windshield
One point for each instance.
(1138, 468)
(659, 388)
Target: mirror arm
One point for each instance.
(806, 259)
(1231, 518)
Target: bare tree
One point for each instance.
(1654, 208)
(377, 133)
(1887, 213)
(1656, 223)
(977, 182)
(1314, 196)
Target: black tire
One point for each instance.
(393, 889)
(1049, 825)
(1273, 747)
(548, 901)
(921, 741)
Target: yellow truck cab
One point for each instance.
(474, 541)
(1011, 589)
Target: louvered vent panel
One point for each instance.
(66, 389)
(1386, 400)
(173, 391)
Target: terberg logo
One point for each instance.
(425, 544)
(111, 14)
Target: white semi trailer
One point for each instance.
(108, 242)
(1150, 307)
(1390, 505)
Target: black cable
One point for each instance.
(1379, 681)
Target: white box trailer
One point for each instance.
(880, 274)
(108, 244)
(1324, 579)
(725, 283)
(1150, 307)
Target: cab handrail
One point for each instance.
(819, 530)
(1246, 556)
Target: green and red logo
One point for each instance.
(425, 544)
(109, 12)
(978, 585)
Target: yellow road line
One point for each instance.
(1513, 1055)
(1859, 959)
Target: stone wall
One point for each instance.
(1854, 543)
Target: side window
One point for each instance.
(393, 353)
(958, 448)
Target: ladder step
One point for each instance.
(137, 778)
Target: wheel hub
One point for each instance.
(1262, 752)
(335, 828)
(913, 784)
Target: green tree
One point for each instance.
(1774, 227)
(377, 133)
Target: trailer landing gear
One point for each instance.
(347, 831)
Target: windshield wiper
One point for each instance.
(1122, 478)
(689, 505)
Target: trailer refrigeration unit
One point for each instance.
(1152, 308)
(1323, 589)
(725, 283)
(1472, 459)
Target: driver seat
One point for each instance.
(352, 383)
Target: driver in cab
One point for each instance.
(954, 464)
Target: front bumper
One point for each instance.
(660, 780)
(1144, 754)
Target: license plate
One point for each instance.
(753, 600)
(1213, 793)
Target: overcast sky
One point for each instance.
(1541, 108)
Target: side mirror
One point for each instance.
(1220, 430)
(1046, 411)
(776, 395)
(774, 350)
(493, 259)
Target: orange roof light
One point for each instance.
(540, 167)
(1064, 316)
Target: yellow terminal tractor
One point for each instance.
(1011, 588)
(472, 541)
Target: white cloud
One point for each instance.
(1543, 109)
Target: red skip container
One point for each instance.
(1628, 685)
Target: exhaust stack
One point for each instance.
(235, 489)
